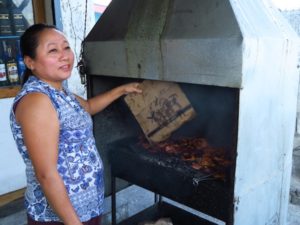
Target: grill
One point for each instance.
(175, 174)
(233, 160)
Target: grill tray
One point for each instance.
(171, 178)
(163, 209)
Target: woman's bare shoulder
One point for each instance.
(34, 105)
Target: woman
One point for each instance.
(53, 131)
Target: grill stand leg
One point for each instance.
(157, 198)
(113, 201)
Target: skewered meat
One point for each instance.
(196, 152)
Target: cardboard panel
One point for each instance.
(160, 109)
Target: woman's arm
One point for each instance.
(40, 127)
(100, 102)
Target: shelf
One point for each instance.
(9, 92)
(10, 37)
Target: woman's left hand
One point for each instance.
(101, 101)
(132, 88)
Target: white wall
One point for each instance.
(12, 168)
(73, 27)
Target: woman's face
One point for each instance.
(54, 58)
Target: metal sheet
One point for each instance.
(184, 41)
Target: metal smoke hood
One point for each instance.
(197, 41)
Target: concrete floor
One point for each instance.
(16, 215)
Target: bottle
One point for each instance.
(18, 22)
(5, 21)
(3, 74)
(11, 65)
(20, 62)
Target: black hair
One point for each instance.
(29, 42)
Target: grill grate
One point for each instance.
(171, 177)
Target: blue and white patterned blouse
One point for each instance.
(78, 164)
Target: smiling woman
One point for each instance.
(52, 128)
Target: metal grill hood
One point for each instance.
(209, 42)
(242, 44)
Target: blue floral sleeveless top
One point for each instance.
(78, 164)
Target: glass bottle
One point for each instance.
(5, 20)
(18, 22)
(11, 65)
(3, 74)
